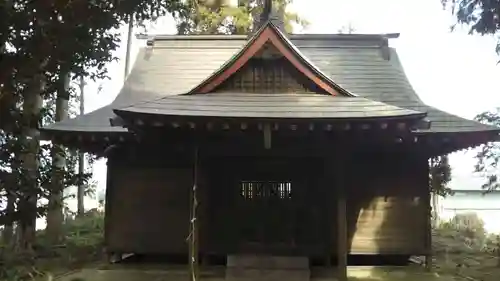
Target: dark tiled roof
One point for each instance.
(365, 73)
(96, 122)
(176, 64)
(273, 105)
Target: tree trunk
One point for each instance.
(435, 212)
(8, 230)
(32, 104)
(55, 207)
(80, 194)
(5, 117)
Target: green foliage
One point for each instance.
(460, 246)
(10, 164)
(14, 267)
(42, 41)
(480, 15)
(469, 225)
(86, 230)
(464, 233)
(68, 36)
(440, 175)
(467, 231)
(83, 243)
(488, 155)
(482, 18)
(216, 19)
(83, 240)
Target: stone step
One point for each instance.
(267, 262)
(267, 268)
(249, 274)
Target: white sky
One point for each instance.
(455, 72)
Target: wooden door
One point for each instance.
(266, 214)
(262, 205)
(266, 204)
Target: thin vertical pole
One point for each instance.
(430, 212)
(193, 235)
(129, 44)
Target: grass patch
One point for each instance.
(82, 244)
(462, 247)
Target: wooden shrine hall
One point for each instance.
(304, 150)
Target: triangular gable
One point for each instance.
(269, 33)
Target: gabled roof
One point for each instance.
(177, 63)
(204, 101)
(270, 34)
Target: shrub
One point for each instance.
(470, 225)
(84, 237)
(464, 232)
(82, 243)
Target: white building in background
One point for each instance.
(486, 205)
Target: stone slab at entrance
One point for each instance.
(267, 268)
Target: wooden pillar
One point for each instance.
(341, 221)
(108, 203)
(193, 224)
(428, 244)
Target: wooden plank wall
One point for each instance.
(386, 204)
(387, 211)
(150, 210)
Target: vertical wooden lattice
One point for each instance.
(252, 190)
(268, 75)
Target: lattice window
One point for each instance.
(251, 190)
(268, 75)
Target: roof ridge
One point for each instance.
(310, 63)
(297, 36)
(225, 72)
